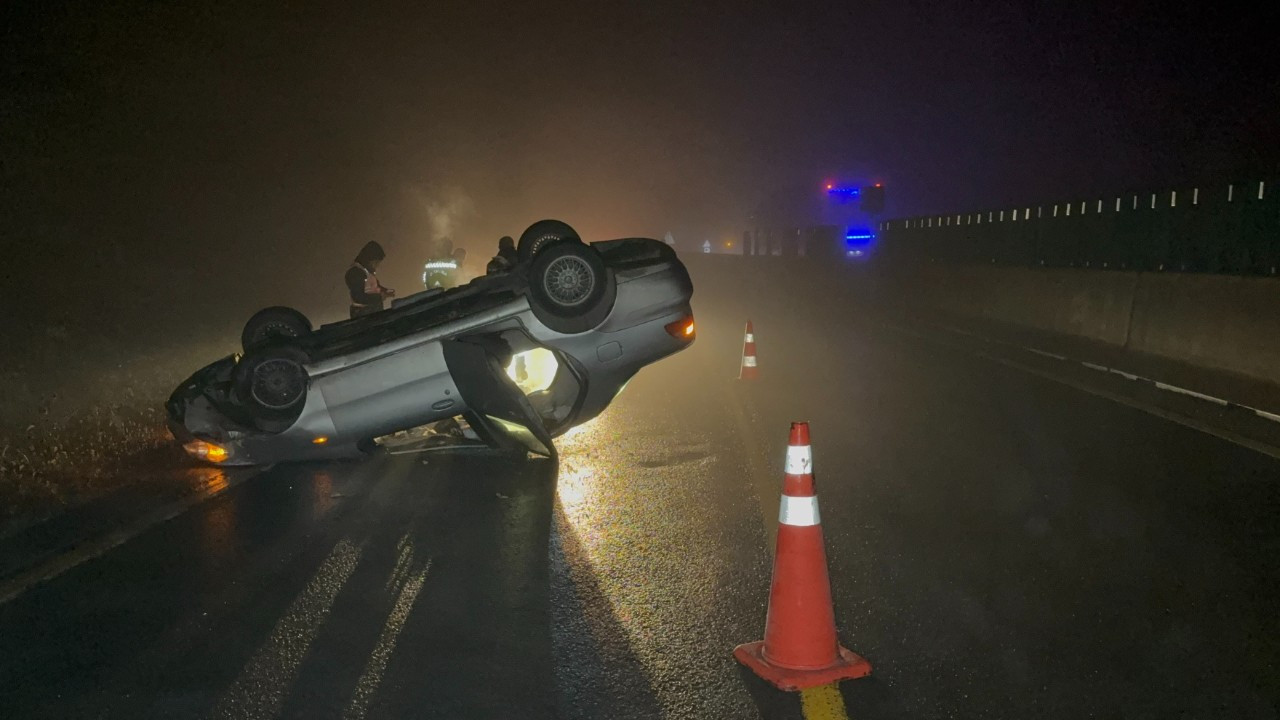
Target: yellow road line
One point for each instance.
(823, 703)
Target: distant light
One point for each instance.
(728, 244)
(855, 253)
(828, 186)
(877, 184)
(319, 440)
(867, 236)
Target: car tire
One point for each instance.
(542, 235)
(570, 288)
(272, 382)
(273, 323)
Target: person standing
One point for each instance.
(442, 268)
(367, 294)
(460, 259)
(505, 259)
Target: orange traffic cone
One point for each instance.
(748, 370)
(800, 649)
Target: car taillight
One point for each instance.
(682, 329)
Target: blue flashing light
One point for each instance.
(858, 241)
(843, 191)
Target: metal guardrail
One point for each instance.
(1227, 229)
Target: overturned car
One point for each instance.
(601, 310)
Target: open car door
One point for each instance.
(498, 410)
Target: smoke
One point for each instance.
(441, 212)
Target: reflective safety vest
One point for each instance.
(437, 272)
(371, 285)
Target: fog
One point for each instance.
(263, 144)
(170, 167)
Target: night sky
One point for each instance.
(251, 134)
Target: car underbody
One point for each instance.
(584, 317)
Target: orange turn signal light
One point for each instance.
(205, 450)
(682, 329)
(319, 440)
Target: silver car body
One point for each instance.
(440, 354)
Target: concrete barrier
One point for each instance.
(1217, 322)
(1094, 305)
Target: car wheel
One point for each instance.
(542, 235)
(272, 382)
(570, 289)
(273, 323)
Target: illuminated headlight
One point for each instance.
(204, 450)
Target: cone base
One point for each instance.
(848, 666)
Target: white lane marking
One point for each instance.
(1185, 421)
(1192, 393)
(749, 361)
(259, 691)
(1127, 375)
(799, 460)
(96, 547)
(1055, 356)
(404, 560)
(798, 511)
(371, 678)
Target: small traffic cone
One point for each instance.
(748, 369)
(800, 649)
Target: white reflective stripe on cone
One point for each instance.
(750, 337)
(799, 511)
(749, 361)
(799, 460)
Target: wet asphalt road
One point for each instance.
(1000, 546)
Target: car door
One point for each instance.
(496, 408)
